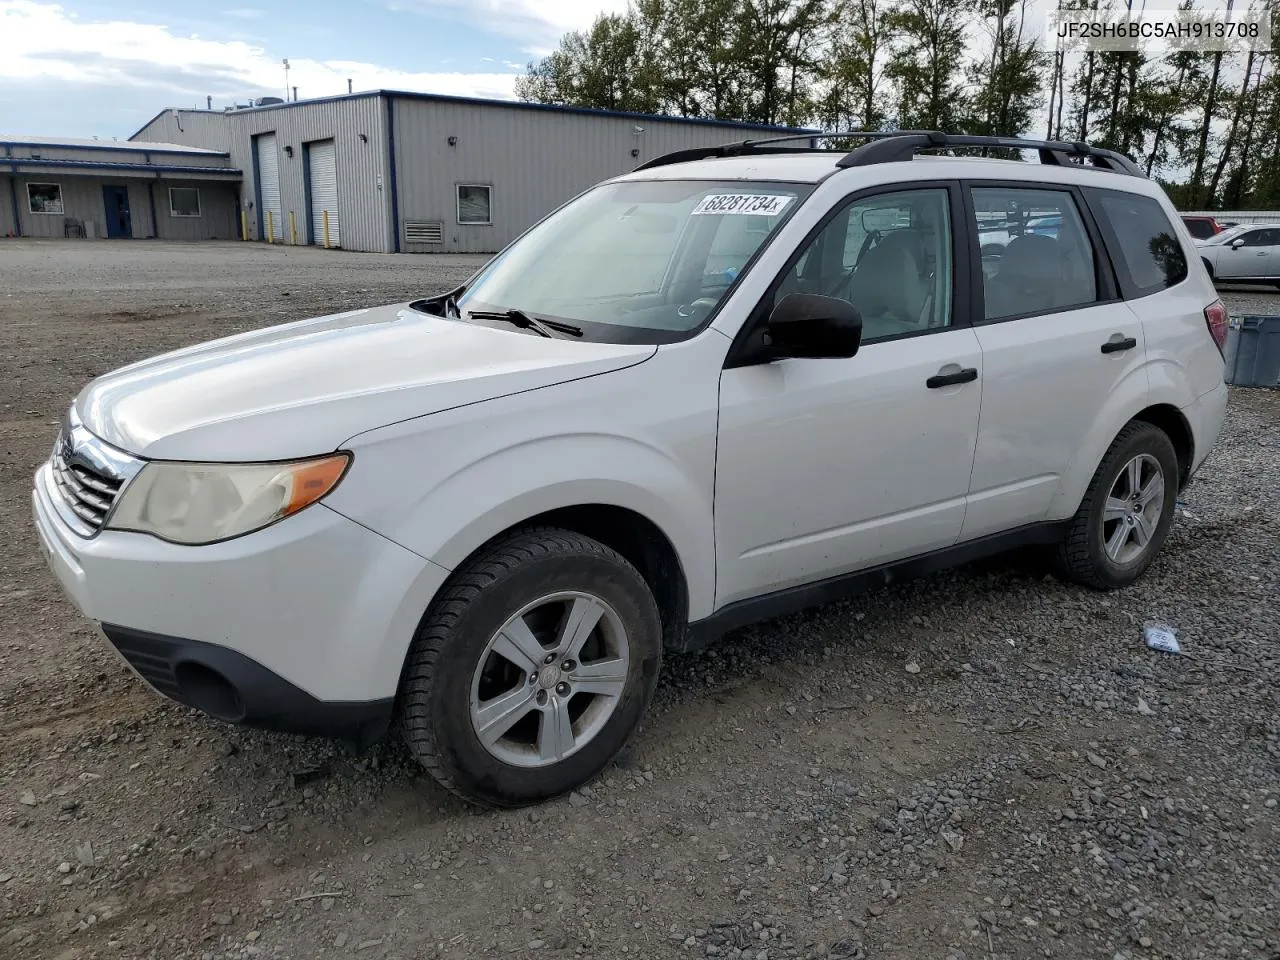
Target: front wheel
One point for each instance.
(1126, 512)
(532, 669)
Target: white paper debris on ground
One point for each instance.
(1161, 637)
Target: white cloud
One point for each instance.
(47, 44)
(538, 24)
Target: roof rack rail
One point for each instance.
(903, 146)
(767, 145)
(897, 145)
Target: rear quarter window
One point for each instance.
(1142, 242)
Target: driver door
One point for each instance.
(1250, 259)
(827, 466)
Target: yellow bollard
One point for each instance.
(293, 229)
(324, 215)
(244, 225)
(271, 226)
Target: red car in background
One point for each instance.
(1203, 227)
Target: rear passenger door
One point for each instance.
(1151, 272)
(1056, 343)
(1271, 246)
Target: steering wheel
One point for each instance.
(701, 305)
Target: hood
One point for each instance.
(304, 388)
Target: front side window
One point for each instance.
(1036, 254)
(184, 202)
(474, 203)
(647, 258)
(889, 255)
(1145, 247)
(44, 197)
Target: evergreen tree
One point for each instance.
(927, 63)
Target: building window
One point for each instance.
(44, 198)
(474, 203)
(184, 202)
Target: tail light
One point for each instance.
(1215, 316)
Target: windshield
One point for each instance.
(1226, 236)
(644, 260)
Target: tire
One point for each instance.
(465, 674)
(1208, 268)
(1088, 554)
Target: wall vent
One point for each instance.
(423, 231)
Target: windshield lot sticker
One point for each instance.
(752, 204)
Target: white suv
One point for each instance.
(730, 384)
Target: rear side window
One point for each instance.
(1200, 229)
(1143, 244)
(1036, 253)
(1262, 238)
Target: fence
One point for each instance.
(1236, 216)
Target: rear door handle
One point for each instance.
(948, 379)
(1119, 346)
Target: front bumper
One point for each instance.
(307, 622)
(232, 687)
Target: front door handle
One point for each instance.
(1119, 346)
(964, 375)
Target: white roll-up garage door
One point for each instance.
(269, 186)
(324, 192)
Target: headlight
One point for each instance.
(204, 502)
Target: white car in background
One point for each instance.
(1246, 253)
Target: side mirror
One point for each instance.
(1237, 243)
(809, 326)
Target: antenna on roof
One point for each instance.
(348, 84)
(208, 102)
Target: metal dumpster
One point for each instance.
(1253, 351)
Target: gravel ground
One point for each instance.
(983, 764)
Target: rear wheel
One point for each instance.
(532, 669)
(1126, 513)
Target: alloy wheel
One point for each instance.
(1132, 511)
(549, 679)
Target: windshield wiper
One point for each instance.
(523, 320)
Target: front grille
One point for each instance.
(87, 476)
(87, 493)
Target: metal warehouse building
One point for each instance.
(389, 171)
(108, 188)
